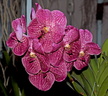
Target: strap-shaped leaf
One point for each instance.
(16, 89)
(76, 84)
(94, 65)
(104, 51)
(103, 76)
(87, 85)
(103, 88)
(3, 88)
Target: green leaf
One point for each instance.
(101, 69)
(16, 89)
(104, 51)
(7, 57)
(76, 84)
(88, 73)
(23, 93)
(103, 76)
(103, 88)
(94, 66)
(105, 48)
(79, 88)
(3, 88)
(86, 85)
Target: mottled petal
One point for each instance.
(37, 46)
(23, 23)
(85, 36)
(34, 29)
(38, 6)
(59, 72)
(44, 62)
(70, 57)
(69, 66)
(16, 24)
(81, 62)
(57, 46)
(21, 47)
(92, 48)
(31, 64)
(33, 14)
(12, 40)
(59, 18)
(56, 57)
(44, 16)
(46, 42)
(72, 53)
(71, 36)
(57, 33)
(42, 81)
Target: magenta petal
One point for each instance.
(59, 18)
(38, 6)
(92, 48)
(59, 72)
(33, 14)
(12, 40)
(56, 46)
(57, 33)
(19, 33)
(56, 57)
(21, 47)
(70, 57)
(44, 62)
(69, 66)
(44, 16)
(85, 36)
(37, 46)
(23, 23)
(16, 24)
(42, 81)
(34, 29)
(81, 62)
(31, 65)
(72, 53)
(46, 42)
(71, 35)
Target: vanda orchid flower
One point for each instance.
(48, 27)
(50, 49)
(77, 53)
(18, 41)
(87, 48)
(42, 73)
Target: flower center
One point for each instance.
(45, 29)
(81, 53)
(67, 46)
(32, 54)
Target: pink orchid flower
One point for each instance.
(17, 40)
(68, 51)
(48, 27)
(42, 72)
(87, 48)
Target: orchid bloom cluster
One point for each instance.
(49, 47)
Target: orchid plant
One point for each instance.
(51, 50)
